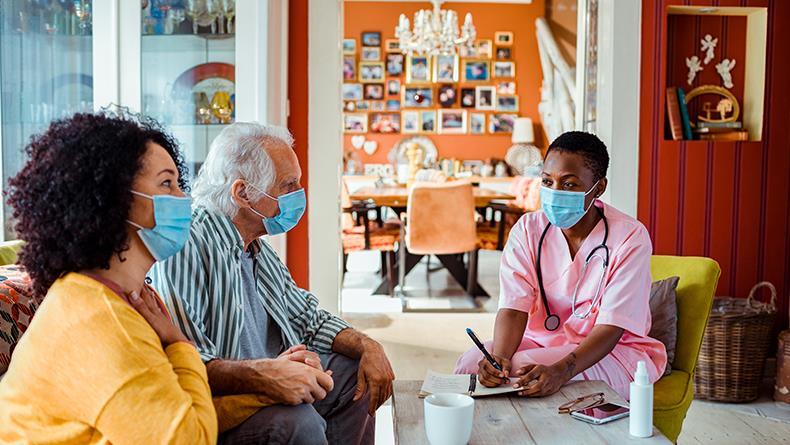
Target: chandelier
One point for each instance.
(435, 32)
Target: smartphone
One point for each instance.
(599, 415)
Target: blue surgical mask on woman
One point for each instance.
(292, 207)
(172, 219)
(564, 208)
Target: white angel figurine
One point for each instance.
(724, 67)
(695, 66)
(708, 44)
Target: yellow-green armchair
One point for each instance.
(698, 279)
(9, 251)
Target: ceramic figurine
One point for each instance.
(708, 45)
(724, 67)
(694, 65)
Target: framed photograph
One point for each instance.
(452, 121)
(468, 52)
(447, 96)
(506, 87)
(371, 38)
(374, 91)
(349, 46)
(428, 121)
(477, 123)
(385, 123)
(503, 53)
(445, 68)
(467, 97)
(503, 38)
(371, 72)
(370, 54)
(418, 69)
(394, 64)
(507, 103)
(504, 70)
(363, 105)
(355, 123)
(352, 91)
(378, 105)
(411, 122)
(499, 123)
(349, 106)
(349, 69)
(485, 98)
(393, 105)
(485, 49)
(392, 45)
(476, 70)
(393, 87)
(417, 97)
(475, 166)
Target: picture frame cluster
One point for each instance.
(386, 91)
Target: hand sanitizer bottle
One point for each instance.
(641, 416)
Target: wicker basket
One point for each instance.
(782, 388)
(732, 359)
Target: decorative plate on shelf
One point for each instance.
(206, 92)
(399, 150)
(206, 77)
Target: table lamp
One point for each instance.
(523, 154)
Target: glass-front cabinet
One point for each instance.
(194, 65)
(46, 72)
(188, 69)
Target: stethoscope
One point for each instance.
(552, 321)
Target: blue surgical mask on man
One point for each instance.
(564, 208)
(292, 206)
(172, 219)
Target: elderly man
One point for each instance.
(313, 378)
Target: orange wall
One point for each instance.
(519, 19)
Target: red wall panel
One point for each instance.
(726, 200)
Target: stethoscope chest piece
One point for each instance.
(552, 322)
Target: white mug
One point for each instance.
(449, 418)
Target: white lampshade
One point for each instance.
(523, 133)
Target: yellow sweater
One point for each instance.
(91, 370)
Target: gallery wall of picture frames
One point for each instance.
(386, 91)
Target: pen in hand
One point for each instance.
(483, 350)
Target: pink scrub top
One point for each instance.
(625, 295)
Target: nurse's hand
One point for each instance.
(492, 377)
(540, 380)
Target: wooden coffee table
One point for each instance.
(518, 420)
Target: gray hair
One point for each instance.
(238, 152)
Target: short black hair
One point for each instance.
(72, 197)
(596, 157)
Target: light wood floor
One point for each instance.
(418, 342)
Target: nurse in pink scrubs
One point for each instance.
(575, 282)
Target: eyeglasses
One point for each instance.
(584, 402)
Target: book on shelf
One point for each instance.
(731, 125)
(684, 114)
(712, 130)
(673, 114)
(734, 135)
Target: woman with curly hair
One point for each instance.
(98, 202)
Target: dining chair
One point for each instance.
(440, 220)
(360, 233)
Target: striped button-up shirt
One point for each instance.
(202, 287)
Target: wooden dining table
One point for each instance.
(398, 196)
